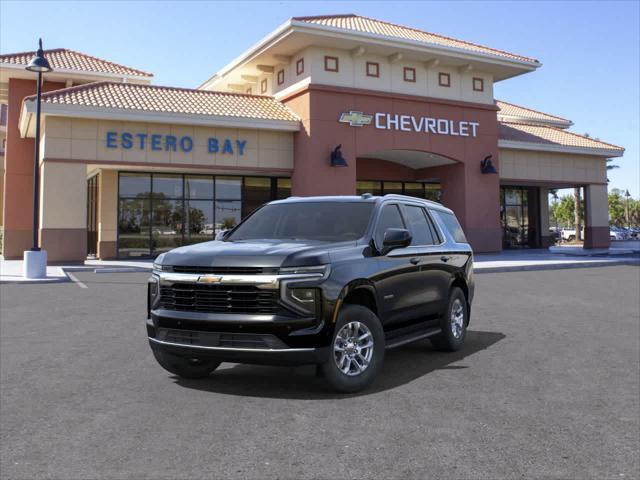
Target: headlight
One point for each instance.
(315, 270)
(305, 300)
(157, 263)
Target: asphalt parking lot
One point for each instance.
(547, 387)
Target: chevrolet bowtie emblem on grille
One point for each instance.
(356, 119)
(209, 279)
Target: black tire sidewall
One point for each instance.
(446, 340)
(350, 384)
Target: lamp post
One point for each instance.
(626, 208)
(35, 260)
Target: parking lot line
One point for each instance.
(75, 280)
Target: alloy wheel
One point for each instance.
(353, 348)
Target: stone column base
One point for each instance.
(15, 242)
(597, 237)
(107, 251)
(65, 244)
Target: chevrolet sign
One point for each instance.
(355, 119)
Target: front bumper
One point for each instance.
(261, 348)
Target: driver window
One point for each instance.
(389, 218)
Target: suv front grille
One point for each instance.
(246, 299)
(226, 270)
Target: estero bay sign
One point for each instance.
(411, 123)
(171, 143)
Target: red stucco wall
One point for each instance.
(473, 196)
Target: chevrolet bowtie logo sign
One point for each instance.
(356, 119)
(209, 279)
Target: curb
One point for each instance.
(563, 266)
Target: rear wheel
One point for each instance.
(453, 323)
(186, 367)
(357, 350)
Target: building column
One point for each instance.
(546, 240)
(596, 216)
(107, 214)
(475, 199)
(63, 211)
(18, 173)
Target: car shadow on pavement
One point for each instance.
(401, 366)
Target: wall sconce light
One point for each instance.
(337, 160)
(486, 165)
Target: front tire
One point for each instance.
(453, 323)
(356, 353)
(185, 367)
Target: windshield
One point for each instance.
(320, 221)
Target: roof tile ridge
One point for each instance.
(533, 110)
(449, 38)
(147, 74)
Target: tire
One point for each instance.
(571, 238)
(185, 367)
(350, 355)
(448, 341)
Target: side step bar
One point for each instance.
(412, 337)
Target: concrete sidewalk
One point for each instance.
(506, 261)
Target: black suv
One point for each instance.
(331, 281)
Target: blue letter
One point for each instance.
(227, 147)
(186, 144)
(213, 145)
(111, 140)
(142, 137)
(241, 145)
(170, 143)
(126, 140)
(155, 142)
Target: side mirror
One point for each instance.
(395, 238)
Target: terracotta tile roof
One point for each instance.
(513, 110)
(517, 132)
(152, 98)
(370, 25)
(65, 59)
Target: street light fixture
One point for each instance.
(35, 260)
(626, 208)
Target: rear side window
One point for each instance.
(417, 221)
(389, 218)
(451, 223)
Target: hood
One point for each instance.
(259, 253)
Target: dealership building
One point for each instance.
(331, 105)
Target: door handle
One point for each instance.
(445, 258)
(415, 260)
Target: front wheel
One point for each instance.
(185, 367)
(357, 350)
(453, 323)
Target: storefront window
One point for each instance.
(257, 192)
(374, 188)
(133, 226)
(159, 212)
(519, 219)
(392, 187)
(283, 188)
(429, 191)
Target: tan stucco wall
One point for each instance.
(352, 74)
(108, 206)
(63, 195)
(80, 139)
(552, 167)
(597, 212)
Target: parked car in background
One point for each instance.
(569, 234)
(618, 234)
